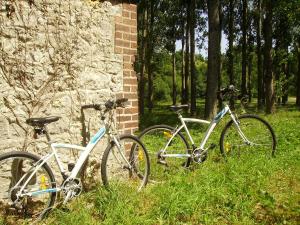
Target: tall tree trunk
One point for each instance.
(270, 98)
(250, 78)
(230, 70)
(230, 42)
(220, 102)
(174, 94)
(149, 57)
(183, 86)
(298, 79)
(259, 58)
(142, 60)
(193, 71)
(213, 57)
(286, 83)
(250, 45)
(277, 72)
(244, 48)
(264, 82)
(187, 53)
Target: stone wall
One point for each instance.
(56, 55)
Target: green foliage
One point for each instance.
(201, 72)
(162, 67)
(279, 85)
(169, 23)
(162, 89)
(253, 190)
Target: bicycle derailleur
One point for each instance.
(160, 159)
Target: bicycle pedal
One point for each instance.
(183, 165)
(162, 162)
(65, 209)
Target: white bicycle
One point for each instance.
(170, 147)
(27, 184)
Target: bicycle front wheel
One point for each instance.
(125, 163)
(156, 138)
(258, 132)
(25, 191)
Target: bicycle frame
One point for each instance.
(85, 151)
(208, 132)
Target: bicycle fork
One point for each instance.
(240, 132)
(119, 147)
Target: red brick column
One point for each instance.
(126, 44)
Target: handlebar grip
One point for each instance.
(97, 106)
(121, 100)
(229, 91)
(108, 105)
(231, 87)
(91, 106)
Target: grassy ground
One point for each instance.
(240, 191)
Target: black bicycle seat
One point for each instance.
(176, 108)
(40, 122)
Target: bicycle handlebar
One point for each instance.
(230, 90)
(109, 105)
(91, 106)
(114, 104)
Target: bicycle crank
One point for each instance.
(199, 155)
(160, 159)
(71, 189)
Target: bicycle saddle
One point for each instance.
(40, 122)
(176, 108)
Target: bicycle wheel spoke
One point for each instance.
(259, 136)
(155, 140)
(128, 165)
(18, 177)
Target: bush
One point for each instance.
(161, 89)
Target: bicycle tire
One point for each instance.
(137, 157)
(17, 159)
(154, 139)
(257, 123)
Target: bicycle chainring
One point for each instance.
(73, 186)
(199, 155)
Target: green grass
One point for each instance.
(252, 190)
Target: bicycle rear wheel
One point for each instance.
(258, 132)
(16, 168)
(125, 163)
(155, 138)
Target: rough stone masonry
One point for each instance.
(56, 55)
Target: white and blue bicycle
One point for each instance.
(171, 147)
(27, 183)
